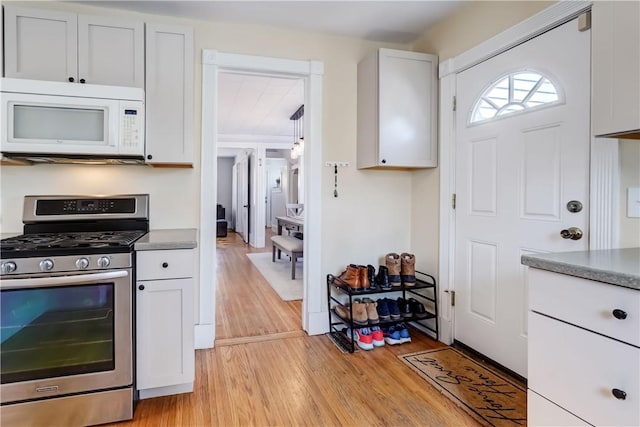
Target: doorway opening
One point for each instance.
(253, 185)
(312, 311)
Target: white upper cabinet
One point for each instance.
(616, 68)
(61, 46)
(397, 110)
(169, 94)
(40, 44)
(110, 51)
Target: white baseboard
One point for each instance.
(204, 336)
(318, 323)
(166, 391)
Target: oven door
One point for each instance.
(65, 334)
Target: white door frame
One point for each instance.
(314, 318)
(604, 152)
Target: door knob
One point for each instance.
(573, 233)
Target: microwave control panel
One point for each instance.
(131, 127)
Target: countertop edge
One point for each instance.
(168, 240)
(598, 275)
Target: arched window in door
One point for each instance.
(517, 92)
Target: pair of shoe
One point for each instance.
(401, 269)
(364, 312)
(366, 338)
(358, 277)
(388, 309)
(398, 334)
(411, 308)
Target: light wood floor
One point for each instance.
(286, 378)
(246, 306)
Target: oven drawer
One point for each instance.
(165, 264)
(587, 303)
(579, 370)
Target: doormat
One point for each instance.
(488, 397)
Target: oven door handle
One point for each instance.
(80, 279)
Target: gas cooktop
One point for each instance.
(69, 243)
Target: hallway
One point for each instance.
(246, 306)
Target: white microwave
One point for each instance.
(55, 118)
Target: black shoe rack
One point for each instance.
(424, 291)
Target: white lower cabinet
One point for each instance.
(583, 366)
(545, 413)
(165, 355)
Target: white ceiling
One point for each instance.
(394, 21)
(257, 109)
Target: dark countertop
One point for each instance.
(185, 238)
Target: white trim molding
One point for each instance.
(312, 73)
(551, 17)
(447, 184)
(605, 193)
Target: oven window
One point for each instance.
(58, 331)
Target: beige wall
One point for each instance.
(470, 26)
(370, 217)
(475, 23)
(629, 177)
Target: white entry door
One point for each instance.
(522, 153)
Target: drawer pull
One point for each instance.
(166, 264)
(619, 394)
(141, 287)
(619, 314)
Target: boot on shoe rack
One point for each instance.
(350, 277)
(394, 266)
(382, 279)
(372, 275)
(408, 269)
(364, 277)
(372, 310)
(358, 309)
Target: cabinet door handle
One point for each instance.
(71, 79)
(165, 264)
(619, 314)
(141, 287)
(82, 81)
(149, 156)
(384, 161)
(619, 394)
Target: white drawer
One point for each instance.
(578, 369)
(541, 412)
(586, 303)
(166, 264)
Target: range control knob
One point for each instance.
(103, 262)
(82, 263)
(46, 265)
(8, 267)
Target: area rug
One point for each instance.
(487, 396)
(278, 275)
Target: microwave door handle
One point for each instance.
(80, 279)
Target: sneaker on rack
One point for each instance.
(383, 309)
(377, 336)
(394, 311)
(364, 339)
(391, 335)
(404, 333)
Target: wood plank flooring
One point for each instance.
(246, 305)
(264, 371)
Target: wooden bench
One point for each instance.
(288, 245)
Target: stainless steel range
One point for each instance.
(66, 311)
